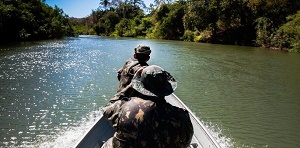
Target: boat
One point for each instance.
(103, 130)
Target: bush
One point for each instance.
(264, 27)
(203, 36)
(188, 36)
(122, 27)
(291, 32)
(296, 47)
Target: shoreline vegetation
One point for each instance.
(261, 23)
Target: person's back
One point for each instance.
(153, 123)
(126, 73)
(147, 120)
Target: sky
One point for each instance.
(79, 8)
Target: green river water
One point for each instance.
(52, 91)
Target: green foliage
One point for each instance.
(82, 29)
(271, 15)
(288, 35)
(124, 28)
(132, 27)
(264, 30)
(59, 24)
(145, 26)
(169, 21)
(107, 23)
(228, 21)
(188, 36)
(285, 37)
(32, 19)
(162, 12)
(91, 31)
(239, 22)
(203, 36)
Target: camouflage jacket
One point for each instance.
(151, 123)
(126, 73)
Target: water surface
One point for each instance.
(51, 91)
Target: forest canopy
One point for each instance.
(263, 23)
(31, 20)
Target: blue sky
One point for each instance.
(79, 8)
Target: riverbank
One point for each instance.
(254, 24)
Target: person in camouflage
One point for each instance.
(125, 74)
(147, 120)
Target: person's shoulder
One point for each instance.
(128, 61)
(182, 113)
(140, 104)
(175, 107)
(139, 100)
(132, 59)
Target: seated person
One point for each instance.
(147, 120)
(125, 74)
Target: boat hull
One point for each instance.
(102, 130)
(97, 134)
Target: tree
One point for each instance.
(270, 15)
(32, 19)
(169, 23)
(161, 2)
(137, 3)
(105, 3)
(106, 24)
(288, 35)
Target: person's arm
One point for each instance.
(187, 129)
(119, 73)
(111, 110)
(126, 92)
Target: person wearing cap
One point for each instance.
(147, 120)
(141, 56)
(125, 75)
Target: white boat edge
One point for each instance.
(102, 130)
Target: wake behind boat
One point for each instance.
(103, 130)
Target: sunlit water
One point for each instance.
(51, 91)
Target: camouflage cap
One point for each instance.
(154, 81)
(142, 49)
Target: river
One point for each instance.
(51, 91)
